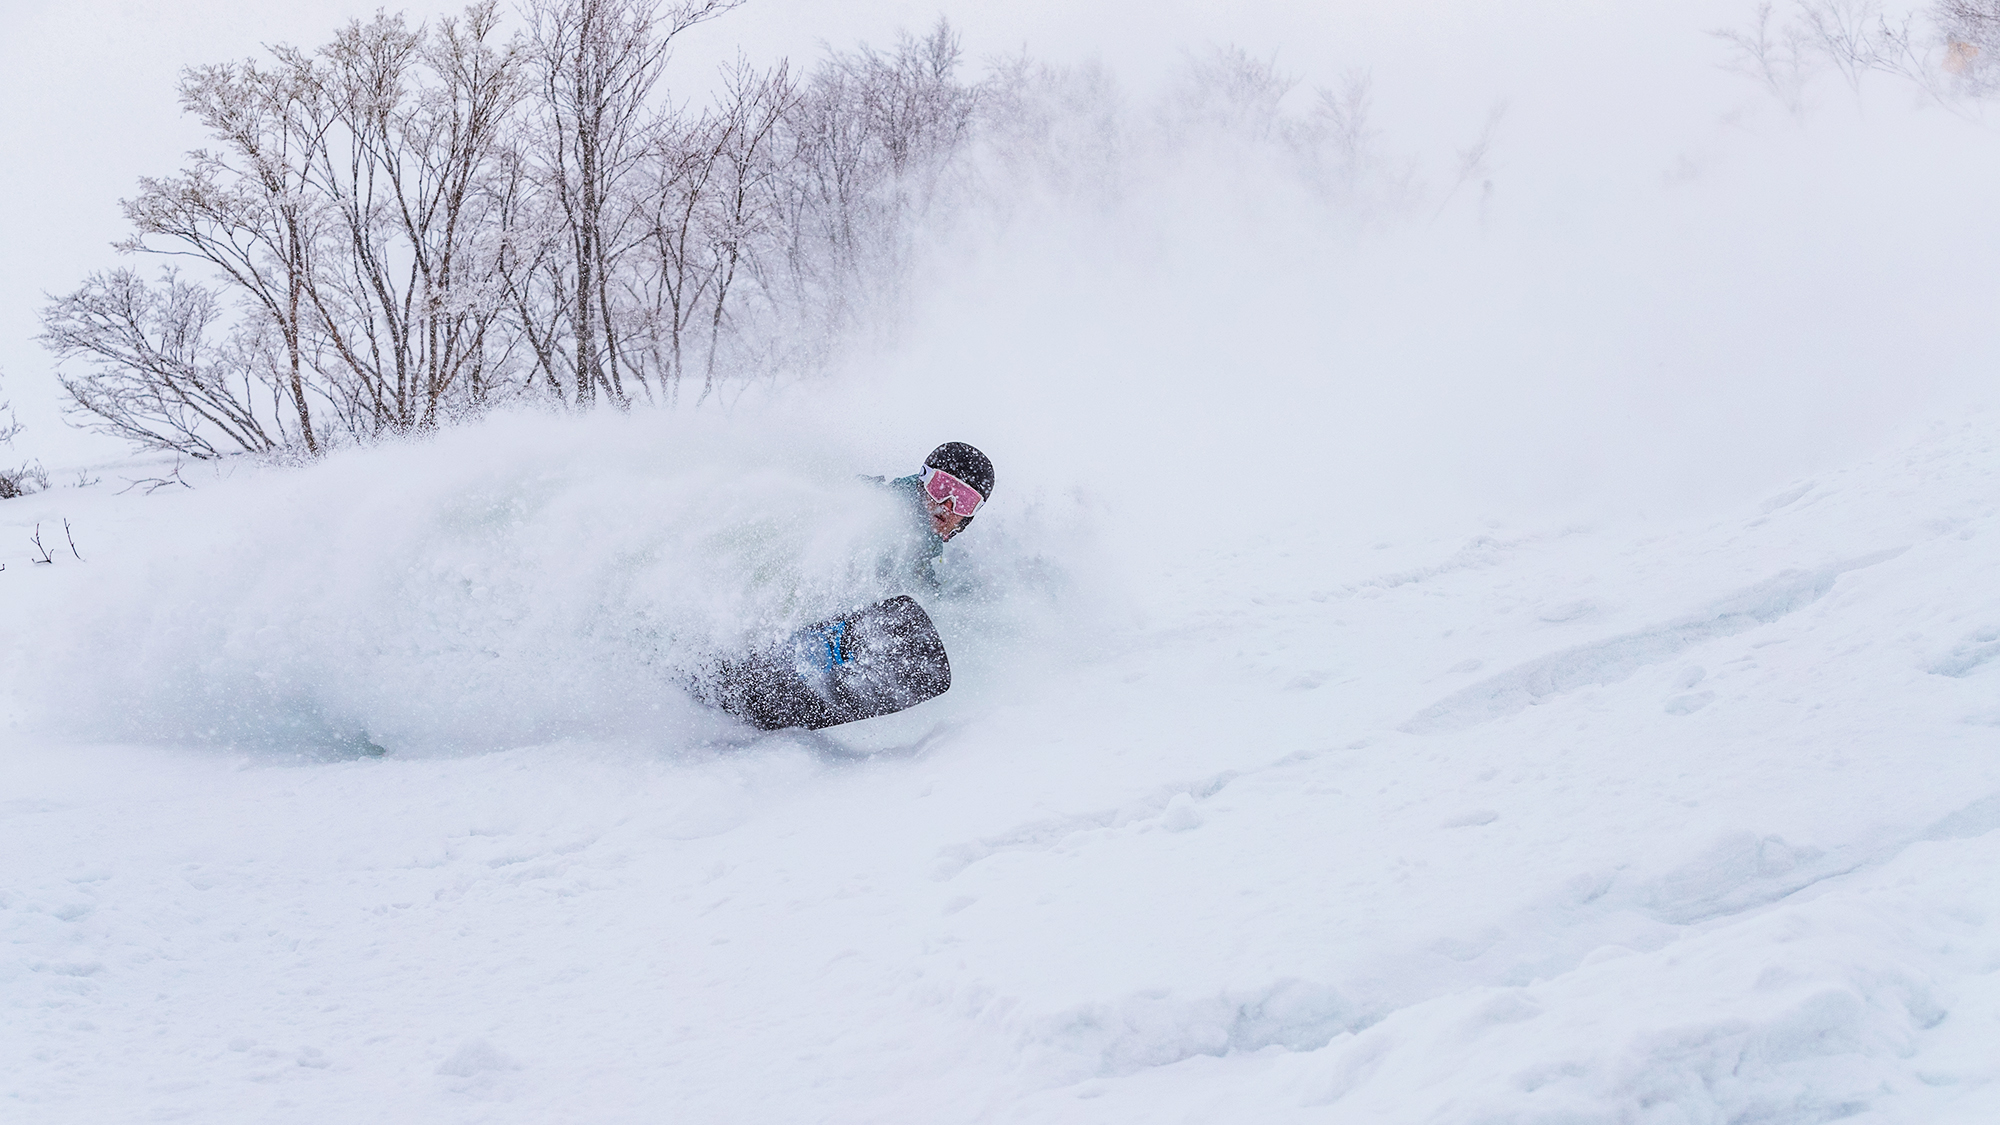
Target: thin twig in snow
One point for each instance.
(154, 484)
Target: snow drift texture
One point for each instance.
(1539, 671)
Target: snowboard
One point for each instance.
(878, 660)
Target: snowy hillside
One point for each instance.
(1676, 822)
(1521, 647)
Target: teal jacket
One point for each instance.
(925, 545)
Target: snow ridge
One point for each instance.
(1616, 658)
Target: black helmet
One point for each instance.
(965, 463)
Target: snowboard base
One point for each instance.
(876, 661)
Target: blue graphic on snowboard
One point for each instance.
(878, 660)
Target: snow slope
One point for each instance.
(1513, 666)
(1646, 821)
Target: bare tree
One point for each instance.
(744, 213)
(1777, 57)
(872, 138)
(671, 275)
(528, 266)
(709, 217)
(416, 221)
(23, 479)
(1848, 33)
(1227, 93)
(247, 209)
(11, 428)
(1944, 51)
(154, 373)
(407, 295)
(1339, 136)
(598, 62)
(1970, 30)
(357, 208)
(1059, 128)
(1343, 156)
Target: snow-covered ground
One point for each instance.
(1649, 821)
(1538, 662)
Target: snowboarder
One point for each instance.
(955, 480)
(878, 659)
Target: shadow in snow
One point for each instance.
(1616, 658)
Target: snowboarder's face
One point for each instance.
(944, 521)
(949, 501)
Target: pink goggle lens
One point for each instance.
(947, 489)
